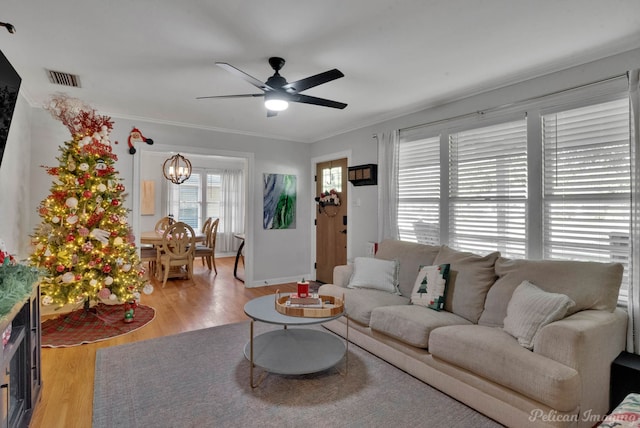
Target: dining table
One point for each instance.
(153, 237)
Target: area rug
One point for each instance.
(101, 323)
(201, 379)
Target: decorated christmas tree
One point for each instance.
(84, 243)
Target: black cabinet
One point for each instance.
(625, 377)
(20, 379)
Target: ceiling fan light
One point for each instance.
(276, 104)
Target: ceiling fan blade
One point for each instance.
(232, 96)
(306, 99)
(255, 82)
(310, 82)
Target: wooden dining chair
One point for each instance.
(163, 224)
(176, 254)
(207, 250)
(206, 225)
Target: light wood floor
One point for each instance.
(66, 399)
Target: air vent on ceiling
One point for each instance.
(65, 79)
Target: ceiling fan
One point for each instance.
(278, 93)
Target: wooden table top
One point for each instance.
(155, 238)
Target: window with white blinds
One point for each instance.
(587, 185)
(554, 185)
(196, 199)
(419, 190)
(488, 189)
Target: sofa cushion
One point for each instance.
(411, 324)
(430, 287)
(470, 278)
(376, 274)
(496, 356)
(410, 256)
(530, 309)
(590, 285)
(359, 302)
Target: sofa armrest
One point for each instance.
(342, 274)
(582, 335)
(587, 341)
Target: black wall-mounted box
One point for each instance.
(364, 175)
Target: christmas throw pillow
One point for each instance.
(430, 287)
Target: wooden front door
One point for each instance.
(331, 220)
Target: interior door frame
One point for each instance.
(249, 171)
(312, 212)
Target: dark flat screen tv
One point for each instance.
(9, 87)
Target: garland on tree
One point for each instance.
(84, 242)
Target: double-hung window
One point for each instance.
(419, 190)
(587, 185)
(488, 189)
(196, 199)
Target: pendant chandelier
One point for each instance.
(177, 169)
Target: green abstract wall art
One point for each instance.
(279, 201)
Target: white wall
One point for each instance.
(14, 183)
(272, 256)
(363, 219)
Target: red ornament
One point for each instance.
(115, 202)
(70, 238)
(60, 268)
(81, 181)
(106, 269)
(87, 194)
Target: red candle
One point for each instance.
(303, 289)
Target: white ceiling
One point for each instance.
(150, 59)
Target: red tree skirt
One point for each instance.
(103, 322)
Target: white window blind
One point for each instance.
(587, 172)
(197, 198)
(185, 201)
(419, 190)
(488, 189)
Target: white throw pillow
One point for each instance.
(530, 309)
(373, 273)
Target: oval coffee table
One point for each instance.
(290, 351)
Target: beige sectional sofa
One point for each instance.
(464, 350)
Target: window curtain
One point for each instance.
(232, 210)
(388, 185)
(633, 306)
